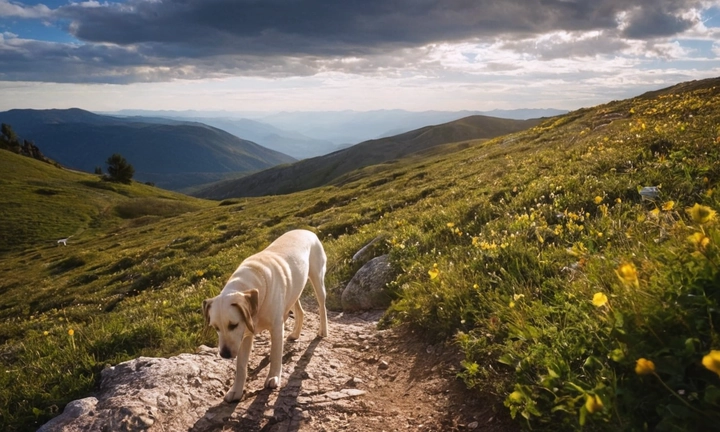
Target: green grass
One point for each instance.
(500, 246)
(41, 203)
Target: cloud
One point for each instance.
(565, 44)
(660, 21)
(326, 27)
(153, 40)
(17, 10)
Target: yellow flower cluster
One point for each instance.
(599, 299)
(712, 361)
(701, 214)
(699, 240)
(593, 404)
(434, 272)
(644, 366)
(627, 273)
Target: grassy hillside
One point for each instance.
(41, 203)
(577, 296)
(171, 154)
(324, 170)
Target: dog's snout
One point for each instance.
(225, 353)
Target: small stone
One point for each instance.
(146, 420)
(354, 381)
(300, 414)
(473, 425)
(383, 365)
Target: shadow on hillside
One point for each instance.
(257, 416)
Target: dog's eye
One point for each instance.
(232, 326)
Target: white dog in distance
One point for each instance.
(260, 295)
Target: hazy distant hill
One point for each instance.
(317, 131)
(290, 143)
(172, 154)
(350, 127)
(293, 144)
(323, 170)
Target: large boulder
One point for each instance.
(368, 288)
(150, 394)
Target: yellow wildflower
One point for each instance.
(712, 361)
(599, 299)
(45, 333)
(516, 396)
(593, 404)
(511, 304)
(699, 240)
(701, 214)
(627, 274)
(450, 224)
(598, 199)
(668, 205)
(434, 272)
(654, 212)
(71, 332)
(644, 366)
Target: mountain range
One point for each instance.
(323, 170)
(304, 134)
(172, 154)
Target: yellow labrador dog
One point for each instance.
(260, 295)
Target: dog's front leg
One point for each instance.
(236, 391)
(277, 333)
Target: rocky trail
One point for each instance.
(359, 378)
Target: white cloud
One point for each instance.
(12, 9)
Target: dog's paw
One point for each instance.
(322, 332)
(232, 396)
(272, 382)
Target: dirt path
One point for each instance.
(356, 379)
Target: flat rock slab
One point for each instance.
(185, 392)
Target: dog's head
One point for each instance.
(231, 316)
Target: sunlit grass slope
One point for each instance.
(41, 203)
(575, 300)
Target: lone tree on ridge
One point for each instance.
(119, 169)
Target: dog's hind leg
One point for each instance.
(236, 391)
(317, 279)
(299, 315)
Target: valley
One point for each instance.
(530, 257)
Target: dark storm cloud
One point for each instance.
(655, 22)
(347, 27)
(153, 40)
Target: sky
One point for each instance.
(330, 55)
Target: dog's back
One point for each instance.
(300, 246)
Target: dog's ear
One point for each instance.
(252, 297)
(206, 310)
(247, 305)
